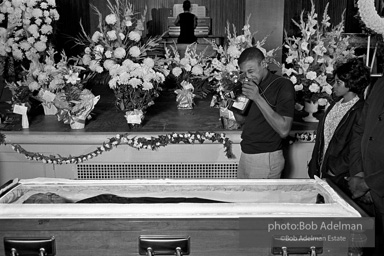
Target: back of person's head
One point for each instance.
(251, 53)
(186, 5)
(355, 74)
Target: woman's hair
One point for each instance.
(186, 5)
(355, 74)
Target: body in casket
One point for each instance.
(115, 228)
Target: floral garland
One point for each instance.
(370, 17)
(135, 142)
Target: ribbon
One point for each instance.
(185, 96)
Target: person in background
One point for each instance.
(369, 179)
(187, 22)
(334, 156)
(268, 120)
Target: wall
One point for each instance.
(266, 18)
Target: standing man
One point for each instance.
(268, 119)
(369, 135)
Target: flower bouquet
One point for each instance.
(74, 105)
(30, 27)
(45, 77)
(188, 74)
(224, 71)
(135, 85)
(119, 51)
(21, 101)
(312, 57)
(119, 38)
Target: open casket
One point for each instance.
(81, 226)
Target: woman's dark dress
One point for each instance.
(187, 28)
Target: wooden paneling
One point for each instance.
(158, 11)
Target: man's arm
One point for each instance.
(281, 124)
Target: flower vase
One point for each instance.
(311, 108)
(77, 124)
(134, 118)
(49, 109)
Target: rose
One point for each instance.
(311, 75)
(293, 79)
(314, 88)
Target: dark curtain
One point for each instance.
(72, 12)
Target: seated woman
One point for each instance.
(334, 155)
(187, 22)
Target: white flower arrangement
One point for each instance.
(119, 38)
(135, 85)
(119, 51)
(30, 24)
(46, 74)
(192, 68)
(370, 17)
(46, 77)
(224, 69)
(312, 57)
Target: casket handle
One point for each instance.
(42, 246)
(313, 251)
(285, 247)
(284, 251)
(164, 245)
